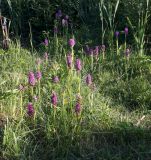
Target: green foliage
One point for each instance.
(111, 110)
(127, 83)
(140, 30)
(41, 15)
(114, 117)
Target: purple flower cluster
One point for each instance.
(38, 75)
(54, 99)
(64, 22)
(89, 80)
(78, 65)
(46, 42)
(30, 109)
(88, 50)
(21, 87)
(78, 104)
(64, 19)
(72, 42)
(69, 60)
(55, 79)
(31, 79)
(94, 51)
(58, 14)
(126, 31)
(117, 33)
(78, 108)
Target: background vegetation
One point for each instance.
(84, 14)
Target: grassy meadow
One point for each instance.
(69, 99)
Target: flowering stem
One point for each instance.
(32, 91)
(92, 100)
(92, 63)
(103, 55)
(79, 83)
(125, 43)
(34, 118)
(63, 101)
(54, 114)
(126, 69)
(72, 53)
(67, 34)
(39, 85)
(21, 103)
(117, 51)
(56, 44)
(46, 61)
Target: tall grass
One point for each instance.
(74, 117)
(140, 30)
(108, 14)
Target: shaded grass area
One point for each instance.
(124, 142)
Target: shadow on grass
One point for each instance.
(122, 143)
(125, 142)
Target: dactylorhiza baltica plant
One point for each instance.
(54, 99)
(30, 110)
(31, 79)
